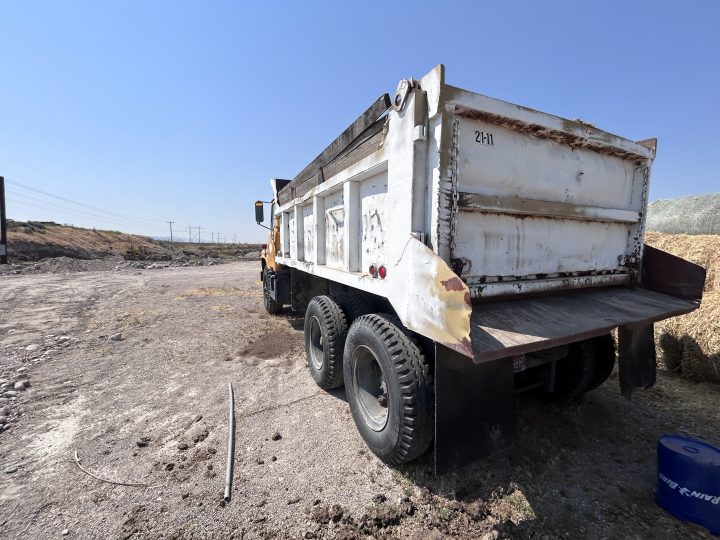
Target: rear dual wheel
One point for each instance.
(387, 378)
(326, 329)
(389, 388)
(587, 365)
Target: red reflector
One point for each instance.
(382, 272)
(373, 270)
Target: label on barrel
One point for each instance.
(687, 492)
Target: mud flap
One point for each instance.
(636, 354)
(474, 408)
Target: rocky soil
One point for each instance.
(127, 368)
(66, 265)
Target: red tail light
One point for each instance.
(373, 270)
(382, 272)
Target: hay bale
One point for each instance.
(691, 344)
(670, 350)
(697, 214)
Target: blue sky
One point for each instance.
(149, 111)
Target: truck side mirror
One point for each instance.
(259, 212)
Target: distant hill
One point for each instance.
(697, 214)
(34, 240)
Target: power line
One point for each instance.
(70, 212)
(64, 181)
(31, 200)
(91, 207)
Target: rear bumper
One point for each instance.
(517, 326)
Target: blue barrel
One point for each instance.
(688, 483)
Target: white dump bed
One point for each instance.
(463, 197)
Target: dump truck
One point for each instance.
(450, 250)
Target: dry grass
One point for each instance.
(74, 237)
(691, 344)
(208, 292)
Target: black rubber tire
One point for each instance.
(325, 358)
(271, 306)
(604, 350)
(587, 365)
(574, 373)
(354, 306)
(409, 426)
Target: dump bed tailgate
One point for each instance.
(543, 203)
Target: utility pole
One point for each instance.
(3, 223)
(212, 235)
(199, 228)
(171, 224)
(190, 234)
(234, 238)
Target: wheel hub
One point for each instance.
(370, 388)
(317, 349)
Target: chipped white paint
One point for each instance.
(308, 237)
(517, 201)
(373, 192)
(334, 230)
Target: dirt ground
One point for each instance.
(130, 369)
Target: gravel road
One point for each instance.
(130, 369)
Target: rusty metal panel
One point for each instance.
(495, 160)
(517, 287)
(519, 206)
(502, 328)
(530, 206)
(515, 246)
(668, 274)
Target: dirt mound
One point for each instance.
(691, 344)
(58, 265)
(34, 240)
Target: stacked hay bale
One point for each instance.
(691, 344)
(696, 214)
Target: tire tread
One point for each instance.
(416, 384)
(335, 321)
